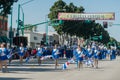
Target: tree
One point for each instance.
(5, 6)
(5, 9)
(112, 42)
(60, 6)
(80, 28)
(99, 30)
(54, 10)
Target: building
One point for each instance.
(3, 29)
(34, 39)
(53, 37)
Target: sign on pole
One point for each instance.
(86, 16)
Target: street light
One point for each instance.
(18, 26)
(22, 22)
(11, 32)
(46, 30)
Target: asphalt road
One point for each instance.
(108, 70)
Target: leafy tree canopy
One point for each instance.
(80, 28)
(5, 6)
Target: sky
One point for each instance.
(37, 10)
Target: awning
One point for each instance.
(4, 39)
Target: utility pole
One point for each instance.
(11, 32)
(18, 26)
(46, 32)
(17, 34)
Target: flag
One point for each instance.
(65, 65)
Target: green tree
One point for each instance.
(113, 42)
(60, 6)
(5, 9)
(80, 28)
(98, 30)
(5, 6)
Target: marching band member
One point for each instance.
(10, 59)
(89, 55)
(113, 53)
(21, 53)
(105, 52)
(96, 56)
(75, 55)
(55, 54)
(39, 54)
(3, 57)
(108, 53)
(80, 56)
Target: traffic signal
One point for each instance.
(61, 22)
(56, 22)
(105, 24)
(20, 23)
(44, 37)
(42, 42)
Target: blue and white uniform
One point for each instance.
(55, 53)
(96, 54)
(21, 51)
(108, 51)
(113, 54)
(3, 54)
(90, 53)
(89, 60)
(40, 52)
(80, 55)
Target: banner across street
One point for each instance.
(87, 16)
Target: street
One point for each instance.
(59, 40)
(108, 70)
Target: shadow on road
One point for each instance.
(35, 69)
(3, 78)
(49, 61)
(31, 65)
